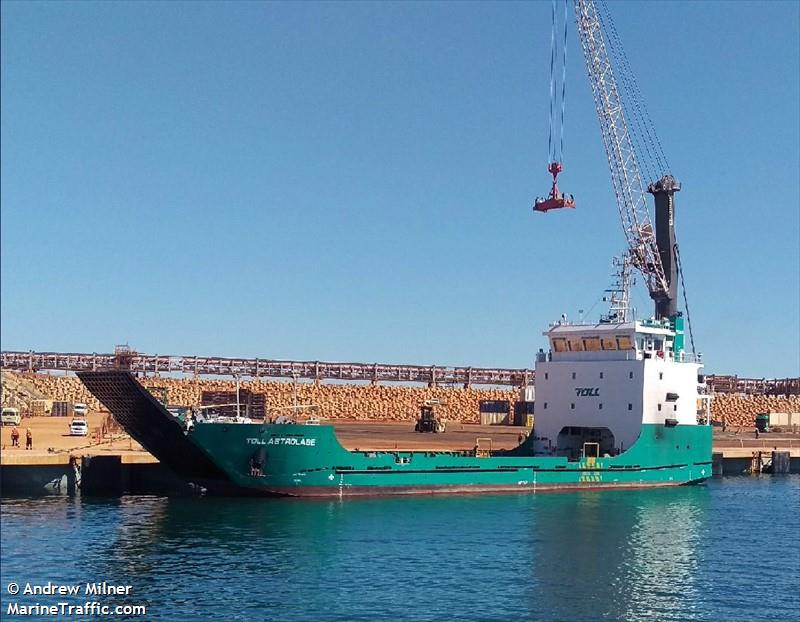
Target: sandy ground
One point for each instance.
(51, 435)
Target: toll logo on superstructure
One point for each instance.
(587, 391)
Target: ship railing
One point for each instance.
(293, 414)
(688, 357)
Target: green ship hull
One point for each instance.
(308, 460)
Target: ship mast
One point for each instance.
(619, 294)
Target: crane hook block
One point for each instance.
(556, 199)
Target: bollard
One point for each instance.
(780, 462)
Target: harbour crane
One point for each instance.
(631, 144)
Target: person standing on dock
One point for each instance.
(28, 439)
(15, 437)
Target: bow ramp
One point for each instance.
(151, 425)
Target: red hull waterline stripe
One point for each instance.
(385, 491)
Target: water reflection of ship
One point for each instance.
(630, 556)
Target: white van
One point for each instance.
(80, 409)
(10, 416)
(78, 427)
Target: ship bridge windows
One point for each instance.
(591, 344)
(559, 344)
(608, 343)
(575, 344)
(624, 342)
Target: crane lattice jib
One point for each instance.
(625, 174)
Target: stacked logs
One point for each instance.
(57, 388)
(345, 401)
(375, 402)
(741, 410)
(335, 401)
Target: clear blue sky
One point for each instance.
(354, 181)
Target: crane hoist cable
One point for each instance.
(685, 299)
(558, 87)
(558, 93)
(552, 83)
(563, 84)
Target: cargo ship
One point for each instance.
(616, 401)
(616, 407)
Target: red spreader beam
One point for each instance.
(556, 199)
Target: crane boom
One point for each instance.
(626, 176)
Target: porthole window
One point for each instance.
(600, 406)
(546, 375)
(661, 375)
(630, 375)
(630, 406)
(573, 375)
(545, 404)
(572, 406)
(659, 407)
(601, 374)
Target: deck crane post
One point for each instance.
(652, 251)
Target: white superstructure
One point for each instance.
(601, 382)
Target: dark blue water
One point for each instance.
(728, 550)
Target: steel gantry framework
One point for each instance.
(266, 368)
(626, 176)
(319, 370)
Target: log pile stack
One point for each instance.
(378, 402)
(345, 401)
(741, 410)
(336, 401)
(56, 388)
